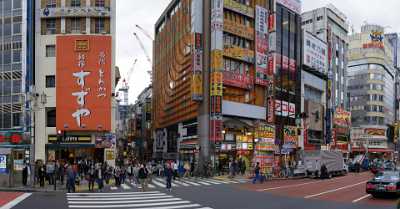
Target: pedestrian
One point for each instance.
(123, 175)
(187, 169)
(91, 177)
(71, 176)
(25, 174)
(192, 168)
(99, 176)
(168, 175)
(42, 174)
(256, 173)
(129, 171)
(143, 173)
(61, 172)
(243, 169)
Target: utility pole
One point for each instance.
(204, 111)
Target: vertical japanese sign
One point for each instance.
(216, 81)
(261, 45)
(83, 83)
(197, 52)
(3, 163)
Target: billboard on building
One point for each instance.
(261, 29)
(83, 83)
(342, 118)
(315, 52)
(294, 5)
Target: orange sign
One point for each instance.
(83, 83)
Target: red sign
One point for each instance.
(237, 80)
(216, 104)
(216, 130)
(271, 23)
(271, 110)
(84, 83)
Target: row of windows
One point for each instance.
(234, 40)
(237, 18)
(236, 66)
(8, 28)
(8, 119)
(73, 3)
(11, 4)
(378, 87)
(368, 120)
(309, 21)
(246, 2)
(10, 56)
(76, 25)
(373, 108)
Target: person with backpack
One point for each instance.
(169, 173)
(143, 172)
(256, 173)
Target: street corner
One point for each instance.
(11, 199)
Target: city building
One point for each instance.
(371, 87)
(330, 25)
(221, 89)
(16, 77)
(313, 87)
(75, 80)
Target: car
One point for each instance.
(385, 182)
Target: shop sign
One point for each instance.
(271, 110)
(216, 88)
(265, 131)
(237, 79)
(290, 136)
(342, 117)
(3, 163)
(197, 16)
(71, 139)
(239, 53)
(84, 64)
(239, 30)
(271, 23)
(314, 52)
(292, 110)
(239, 8)
(217, 25)
(294, 5)
(216, 130)
(376, 40)
(216, 60)
(106, 141)
(216, 104)
(197, 87)
(12, 138)
(261, 45)
(244, 146)
(110, 154)
(75, 12)
(278, 107)
(375, 132)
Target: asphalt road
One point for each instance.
(338, 193)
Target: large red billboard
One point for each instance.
(83, 83)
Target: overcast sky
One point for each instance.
(146, 12)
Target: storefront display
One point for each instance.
(265, 147)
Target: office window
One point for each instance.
(16, 28)
(51, 117)
(100, 3)
(17, 56)
(75, 3)
(99, 25)
(51, 26)
(75, 25)
(50, 81)
(51, 3)
(17, 4)
(50, 50)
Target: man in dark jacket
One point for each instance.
(256, 173)
(71, 176)
(143, 172)
(169, 173)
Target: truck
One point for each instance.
(313, 160)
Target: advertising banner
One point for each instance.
(271, 110)
(3, 163)
(261, 29)
(315, 53)
(290, 137)
(237, 80)
(239, 8)
(84, 84)
(342, 118)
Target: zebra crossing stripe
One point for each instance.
(177, 207)
(120, 198)
(182, 183)
(125, 186)
(118, 193)
(113, 188)
(162, 180)
(204, 183)
(125, 202)
(108, 196)
(191, 183)
(156, 182)
(211, 182)
(130, 205)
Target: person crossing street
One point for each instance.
(256, 173)
(169, 173)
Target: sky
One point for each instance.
(146, 12)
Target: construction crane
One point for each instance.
(145, 32)
(128, 75)
(125, 84)
(144, 50)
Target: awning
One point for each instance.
(232, 122)
(381, 150)
(83, 145)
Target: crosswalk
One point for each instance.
(132, 200)
(158, 182)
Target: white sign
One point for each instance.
(76, 12)
(294, 5)
(197, 16)
(292, 110)
(315, 53)
(82, 111)
(3, 163)
(217, 24)
(284, 108)
(278, 107)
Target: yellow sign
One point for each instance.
(239, 53)
(216, 60)
(216, 88)
(109, 154)
(239, 30)
(238, 7)
(81, 45)
(197, 87)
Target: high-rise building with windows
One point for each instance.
(74, 62)
(371, 87)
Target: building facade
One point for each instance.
(371, 87)
(75, 115)
(223, 97)
(16, 77)
(330, 25)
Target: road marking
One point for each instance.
(176, 207)
(17, 200)
(204, 183)
(334, 190)
(113, 188)
(361, 198)
(125, 186)
(211, 182)
(117, 198)
(118, 193)
(181, 183)
(158, 183)
(151, 186)
(288, 186)
(190, 182)
(105, 196)
(125, 202)
(130, 205)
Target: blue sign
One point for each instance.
(3, 163)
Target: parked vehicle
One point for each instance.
(333, 161)
(386, 182)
